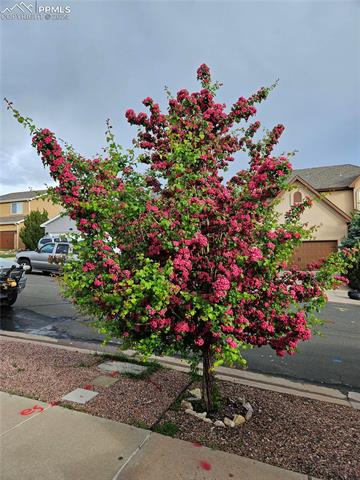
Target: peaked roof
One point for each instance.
(329, 178)
(332, 205)
(11, 219)
(21, 196)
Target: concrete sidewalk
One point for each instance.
(62, 444)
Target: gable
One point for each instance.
(331, 224)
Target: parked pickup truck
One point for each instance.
(44, 259)
(12, 281)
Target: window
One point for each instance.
(297, 198)
(16, 208)
(47, 248)
(62, 249)
(45, 240)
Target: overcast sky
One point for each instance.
(107, 56)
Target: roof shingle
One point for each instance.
(332, 177)
(19, 196)
(11, 219)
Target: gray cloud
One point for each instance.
(71, 75)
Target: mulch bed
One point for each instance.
(307, 436)
(48, 373)
(300, 434)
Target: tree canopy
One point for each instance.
(174, 258)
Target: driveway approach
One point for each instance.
(332, 359)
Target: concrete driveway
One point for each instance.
(332, 359)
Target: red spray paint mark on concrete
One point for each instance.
(205, 465)
(29, 411)
(197, 444)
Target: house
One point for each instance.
(13, 209)
(336, 193)
(59, 225)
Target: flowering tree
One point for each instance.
(203, 269)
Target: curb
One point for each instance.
(341, 296)
(265, 382)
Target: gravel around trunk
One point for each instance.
(308, 436)
(48, 373)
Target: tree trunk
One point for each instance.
(208, 380)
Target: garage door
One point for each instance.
(7, 240)
(313, 251)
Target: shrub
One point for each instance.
(31, 232)
(353, 240)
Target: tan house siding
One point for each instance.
(331, 225)
(31, 205)
(15, 224)
(343, 199)
(356, 193)
(5, 208)
(42, 204)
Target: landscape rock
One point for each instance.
(196, 392)
(239, 420)
(185, 405)
(237, 401)
(229, 423)
(249, 410)
(199, 415)
(219, 423)
(190, 411)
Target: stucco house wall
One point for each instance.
(331, 225)
(343, 199)
(356, 193)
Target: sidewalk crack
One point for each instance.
(135, 452)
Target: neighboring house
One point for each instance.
(336, 194)
(61, 224)
(13, 209)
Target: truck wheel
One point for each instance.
(12, 298)
(25, 261)
(354, 295)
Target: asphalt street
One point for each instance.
(332, 359)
